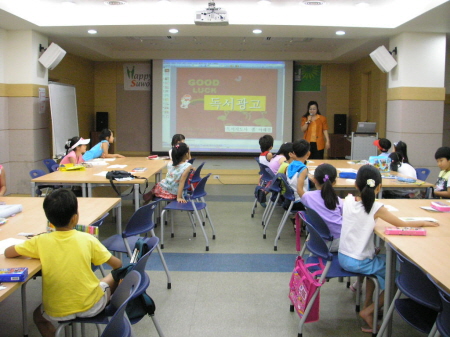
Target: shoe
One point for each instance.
(263, 204)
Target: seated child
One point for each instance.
(281, 156)
(2, 181)
(100, 150)
(75, 147)
(177, 172)
(356, 247)
(383, 145)
(69, 286)
(177, 138)
(442, 188)
(297, 172)
(398, 165)
(266, 144)
(325, 201)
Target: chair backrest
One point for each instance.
(422, 173)
(316, 220)
(50, 163)
(196, 176)
(191, 161)
(289, 192)
(99, 222)
(443, 319)
(119, 326)
(140, 265)
(55, 167)
(37, 173)
(415, 284)
(266, 175)
(141, 221)
(316, 244)
(199, 191)
(275, 185)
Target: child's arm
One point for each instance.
(2, 183)
(105, 154)
(301, 182)
(114, 262)
(387, 216)
(11, 252)
(442, 194)
(73, 160)
(269, 156)
(183, 178)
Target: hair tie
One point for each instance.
(371, 183)
(177, 146)
(326, 178)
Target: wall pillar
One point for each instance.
(416, 95)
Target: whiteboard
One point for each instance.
(63, 108)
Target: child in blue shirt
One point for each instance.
(101, 149)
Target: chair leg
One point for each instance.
(60, 328)
(157, 326)
(163, 213)
(376, 304)
(203, 229)
(387, 318)
(281, 225)
(209, 220)
(254, 207)
(163, 261)
(269, 216)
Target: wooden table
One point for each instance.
(88, 179)
(349, 184)
(32, 220)
(429, 252)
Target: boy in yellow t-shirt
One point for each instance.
(69, 286)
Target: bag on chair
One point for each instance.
(302, 287)
(143, 304)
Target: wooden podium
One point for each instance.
(340, 146)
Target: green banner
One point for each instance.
(307, 77)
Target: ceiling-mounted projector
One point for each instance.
(211, 16)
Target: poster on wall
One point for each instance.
(136, 76)
(307, 77)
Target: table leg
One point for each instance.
(390, 283)
(33, 189)
(83, 190)
(24, 308)
(136, 197)
(119, 218)
(380, 194)
(89, 190)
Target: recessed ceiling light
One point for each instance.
(257, 31)
(115, 2)
(340, 32)
(92, 31)
(314, 2)
(173, 31)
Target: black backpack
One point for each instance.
(120, 174)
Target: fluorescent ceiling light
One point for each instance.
(92, 31)
(257, 31)
(340, 32)
(173, 31)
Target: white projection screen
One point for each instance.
(221, 107)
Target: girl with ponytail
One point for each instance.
(356, 247)
(325, 201)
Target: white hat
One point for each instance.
(81, 141)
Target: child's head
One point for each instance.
(106, 134)
(60, 206)
(442, 157)
(179, 153)
(396, 160)
(300, 148)
(368, 179)
(382, 144)
(400, 147)
(266, 143)
(177, 138)
(76, 143)
(285, 149)
(325, 176)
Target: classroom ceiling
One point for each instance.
(291, 29)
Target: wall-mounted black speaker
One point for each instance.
(101, 121)
(340, 124)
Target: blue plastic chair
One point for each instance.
(421, 307)
(36, 174)
(193, 208)
(320, 252)
(274, 188)
(141, 222)
(265, 177)
(50, 163)
(319, 224)
(119, 325)
(422, 173)
(191, 161)
(443, 319)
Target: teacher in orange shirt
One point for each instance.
(315, 129)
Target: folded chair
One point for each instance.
(193, 208)
(422, 303)
(141, 222)
(320, 252)
(119, 325)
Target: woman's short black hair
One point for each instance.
(309, 105)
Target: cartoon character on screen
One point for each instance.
(185, 100)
